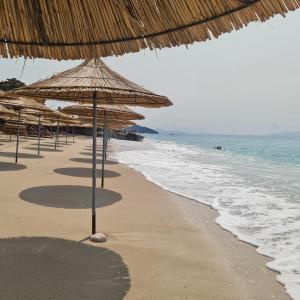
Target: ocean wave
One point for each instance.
(258, 201)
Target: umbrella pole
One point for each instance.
(25, 133)
(94, 164)
(39, 135)
(18, 135)
(73, 130)
(103, 150)
(67, 132)
(10, 129)
(56, 137)
(106, 142)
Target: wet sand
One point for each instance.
(161, 246)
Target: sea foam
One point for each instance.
(257, 200)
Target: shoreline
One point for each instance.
(188, 207)
(170, 245)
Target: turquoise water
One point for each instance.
(271, 148)
(253, 182)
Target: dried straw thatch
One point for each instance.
(37, 113)
(29, 119)
(117, 112)
(70, 123)
(93, 78)
(110, 122)
(5, 95)
(77, 29)
(21, 103)
(7, 112)
(58, 116)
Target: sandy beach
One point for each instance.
(161, 245)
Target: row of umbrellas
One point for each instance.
(101, 95)
(32, 112)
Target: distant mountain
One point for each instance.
(141, 129)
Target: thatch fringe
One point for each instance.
(111, 123)
(21, 103)
(7, 112)
(63, 29)
(114, 112)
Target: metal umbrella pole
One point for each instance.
(67, 130)
(57, 133)
(25, 133)
(106, 142)
(10, 129)
(18, 135)
(94, 174)
(103, 150)
(73, 131)
(39, 135)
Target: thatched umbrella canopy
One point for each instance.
(93, 78)
(4, 95)
(20, 103)
(118, 112)
(29, 119)
(7, 112)
(94, 82)
(111, 123)
(105, 28)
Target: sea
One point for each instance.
(253, 182)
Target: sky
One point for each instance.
(245, 82)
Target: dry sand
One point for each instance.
(161, 246)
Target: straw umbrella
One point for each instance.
(105, 28)
(3, 95)
(20, 103)
(107, 112)
(5, 112)
(94, 82)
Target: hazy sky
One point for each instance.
(244, 82)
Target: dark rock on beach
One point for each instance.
(126, 135)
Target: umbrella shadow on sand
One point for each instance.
(7, 166)
(69, 196)
(42, 149)
(85, 172)
(51, 268)
(99, 153)
(20, 155)
(89, 161)
(43, 144)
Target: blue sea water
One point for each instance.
(253, 182)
